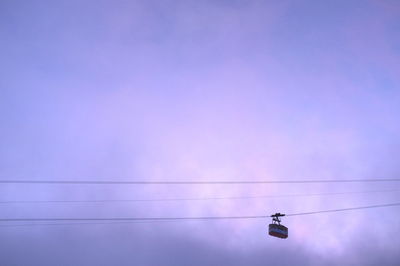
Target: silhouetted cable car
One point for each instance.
(276, 229)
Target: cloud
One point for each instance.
(188, 90)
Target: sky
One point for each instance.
(200, 91)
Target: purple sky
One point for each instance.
(200, 90)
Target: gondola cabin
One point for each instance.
(276, 229)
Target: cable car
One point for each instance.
(276, 229)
